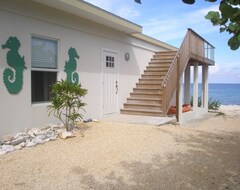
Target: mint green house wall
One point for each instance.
(28, 19)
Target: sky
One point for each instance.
(168, 21)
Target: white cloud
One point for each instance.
(123, 9)
(171, 27)
(104, 4)
(127, 12)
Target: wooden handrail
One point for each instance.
(193, 47)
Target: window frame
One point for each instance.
(56, 70)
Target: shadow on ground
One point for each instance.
(211, 162)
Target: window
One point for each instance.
(109, 61)
(44, 68)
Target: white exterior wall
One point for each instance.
(88, 38)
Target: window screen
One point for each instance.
(44, 53)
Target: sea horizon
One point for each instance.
(225, 93)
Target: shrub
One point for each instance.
(66, 102)
(212, 104)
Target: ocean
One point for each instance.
(227, 94)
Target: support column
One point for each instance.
(187, 76)
(195, 87)
(180, 102)
(205, 87)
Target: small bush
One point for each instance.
(212, 104)
(66, 102)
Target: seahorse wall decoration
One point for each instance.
(13, 76)
(71, 66)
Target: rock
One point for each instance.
(7, 138)
(53, 138)
(38, 141)
(17, 141)
(18, 147)
(47, 140)
(21, 134)
(41, 137)
(1, 142)
(31, 144)
(2, 152)
(8, 148)
(87, 121)
(60, 131)
(66, 135)
(23, 144)
(55, 127)
(50, 134)
(36, 131)
(31, 134)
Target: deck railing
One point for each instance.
(193, 48)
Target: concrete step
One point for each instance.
(145, 95)
(144, 100)
(143, 106)
(144, 112)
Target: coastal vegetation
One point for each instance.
(66, 101)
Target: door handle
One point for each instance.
(116, 87)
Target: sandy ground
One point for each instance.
(203, 154)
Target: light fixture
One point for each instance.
(127, 56)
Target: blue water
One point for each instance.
(227, 94)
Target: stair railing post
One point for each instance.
(177, 91)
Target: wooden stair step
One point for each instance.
(144, 100)
(147, 90)
(144, 112)
(154, 72)
(151, 81)
(143, 106)
(149, 85)
(157, 77)
(145, 95)
(162, 59)
(166, 53)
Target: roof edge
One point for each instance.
(154, 41)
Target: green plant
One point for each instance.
(66, 102)
(212, 104)
(199, 101)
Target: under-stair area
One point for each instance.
(146, 98)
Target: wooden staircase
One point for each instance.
(146, 98)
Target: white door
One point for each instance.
(110, 82)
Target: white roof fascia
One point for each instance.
(155, 41)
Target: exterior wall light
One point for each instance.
(127, 56)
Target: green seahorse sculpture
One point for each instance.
(13, 76)
(71, 66)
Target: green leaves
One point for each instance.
(214, 17)
(66, 102)
(189, 1)
(228, 18)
